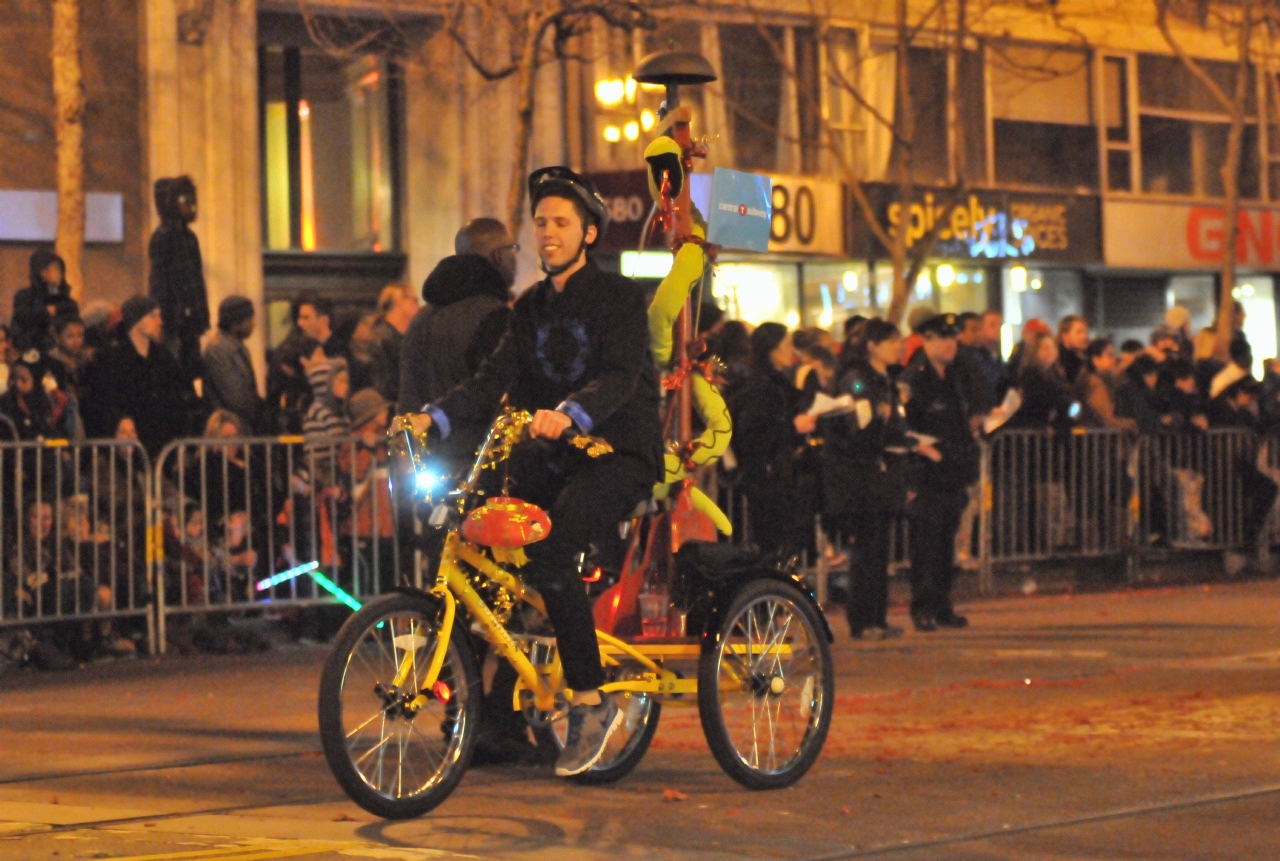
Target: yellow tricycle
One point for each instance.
(400, 692)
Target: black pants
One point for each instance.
(935, 517)
(1259, 495)
(584, 496)
(186, 349)
(868, 604)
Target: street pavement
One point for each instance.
(1125, 725)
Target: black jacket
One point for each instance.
(936, 407)
(859, 474)
(31, 318)
(152, 391)
(177, 278)
(585, 350)
(1046, 400)
(763, 406)
(461, 324)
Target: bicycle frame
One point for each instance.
(543, 681)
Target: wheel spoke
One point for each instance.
(770, 729)
(413, 749)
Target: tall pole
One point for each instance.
(68, 95)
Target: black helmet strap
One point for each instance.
(553, 271)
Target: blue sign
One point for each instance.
(740, 210)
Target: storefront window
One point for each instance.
(959, 288)
(329, 151)
(1045, 294)
(758, 292)
(1257, 294)
(834, 292)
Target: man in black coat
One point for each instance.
(464, 318)
(36, 306)
(947, 462)
(138, 379)
(229, 380)
(576, 354)
(177, 272)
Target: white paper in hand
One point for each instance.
(1001, 414)
(825, 405)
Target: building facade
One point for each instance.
(1060, 164)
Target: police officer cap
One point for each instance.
(943, 325)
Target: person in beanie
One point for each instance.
(176, 282)
(229, 381)
(36, 306)
(576, 355)
(139, 380)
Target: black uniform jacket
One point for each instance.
(936, 408)
(859, 474)
(584, 351)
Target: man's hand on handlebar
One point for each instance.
(550, 424)
(421, 423)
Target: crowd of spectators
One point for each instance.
(109, 373)
(105, 372)
(793, 464)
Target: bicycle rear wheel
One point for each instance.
(395, 759)
(765, 692)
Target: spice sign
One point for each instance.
(1187, 236)
(984, 225)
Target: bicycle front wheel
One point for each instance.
(394, 755)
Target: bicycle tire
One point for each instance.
(344, 686)
(760, 684)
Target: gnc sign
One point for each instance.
(1186, 236)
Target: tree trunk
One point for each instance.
(1231, 189)
(906, 126)
(526, 81)
(68, 92)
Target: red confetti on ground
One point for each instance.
(674, 795)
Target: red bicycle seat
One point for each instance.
(505, 521)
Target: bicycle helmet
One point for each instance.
(560, 181)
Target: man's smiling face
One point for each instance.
(558, 231)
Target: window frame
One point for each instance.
(1261, 118)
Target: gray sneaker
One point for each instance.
(589, 731)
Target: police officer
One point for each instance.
(945, 464)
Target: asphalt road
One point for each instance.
(1134, 725)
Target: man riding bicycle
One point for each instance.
(576, 353)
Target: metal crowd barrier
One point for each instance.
(1054, 495)
(94, 530)
(1047, 496)
(73, 527)
(274, 523)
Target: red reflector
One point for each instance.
(594, 576)
(442, 692)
